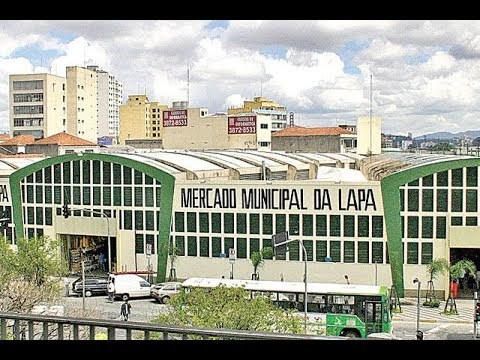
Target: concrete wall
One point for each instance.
(102, 103)
(329, 144)
(369, 138)
(54, 104)
(83, 122)
(133, 116)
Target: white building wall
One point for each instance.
(369, 137)
(52, 119)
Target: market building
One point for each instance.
(376, 219)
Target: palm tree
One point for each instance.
(435, 268)
(457, 271)
(257, 259)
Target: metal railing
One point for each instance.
(15, 326)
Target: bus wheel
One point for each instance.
(350, 333)
(125, 297)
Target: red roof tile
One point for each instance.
(4, 137)
(19, 140)
(64, 139)
(313, 131)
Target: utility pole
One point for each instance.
(371, 97)
(83, 282)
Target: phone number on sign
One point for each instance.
(179, 122)
(242, 130)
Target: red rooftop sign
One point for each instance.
(242, 124)
(174, 118)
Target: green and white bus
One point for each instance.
(332, 309)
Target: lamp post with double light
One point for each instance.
(419, 333)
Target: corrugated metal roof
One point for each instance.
(379, 166)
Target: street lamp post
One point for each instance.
(305, 279)
(419, 333)
(305, 299)
(83, 281)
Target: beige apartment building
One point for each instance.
(82, 103)
(150, 124)
(264, 106)
(37, 104)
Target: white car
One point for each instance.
(129, 286)
(164, 291)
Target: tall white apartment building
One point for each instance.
(109, 99)
(82, 103)
(37, 104)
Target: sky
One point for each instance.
(426, 74)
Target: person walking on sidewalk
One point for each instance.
(125, 310)
(111, 291)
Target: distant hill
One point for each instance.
(445, 135)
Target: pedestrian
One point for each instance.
(111, 291)
(125, 310)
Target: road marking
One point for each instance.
(437, 329)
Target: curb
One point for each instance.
(434, 321)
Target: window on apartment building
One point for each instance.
(263, 126)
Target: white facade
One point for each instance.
(37, 105)
(369, 135)
(109, 99)
(278, 117)
(82, 103)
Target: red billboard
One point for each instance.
(174, 118)
(242, 124)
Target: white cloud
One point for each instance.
(426, 73)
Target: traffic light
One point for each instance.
(477, 312)
(65, 211)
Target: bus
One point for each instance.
(332, 309)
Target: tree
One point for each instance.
(30, 274)
(457, 271)
(257, 259)
(228, 308)
(435, 268)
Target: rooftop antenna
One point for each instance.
(371, 80)
(188, 83)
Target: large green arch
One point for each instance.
(390, 186)
(166, 180)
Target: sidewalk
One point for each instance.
(435, 315)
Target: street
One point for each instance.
(435, 326)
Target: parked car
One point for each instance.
(129, 286)
(164, 291)
(93, 286)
